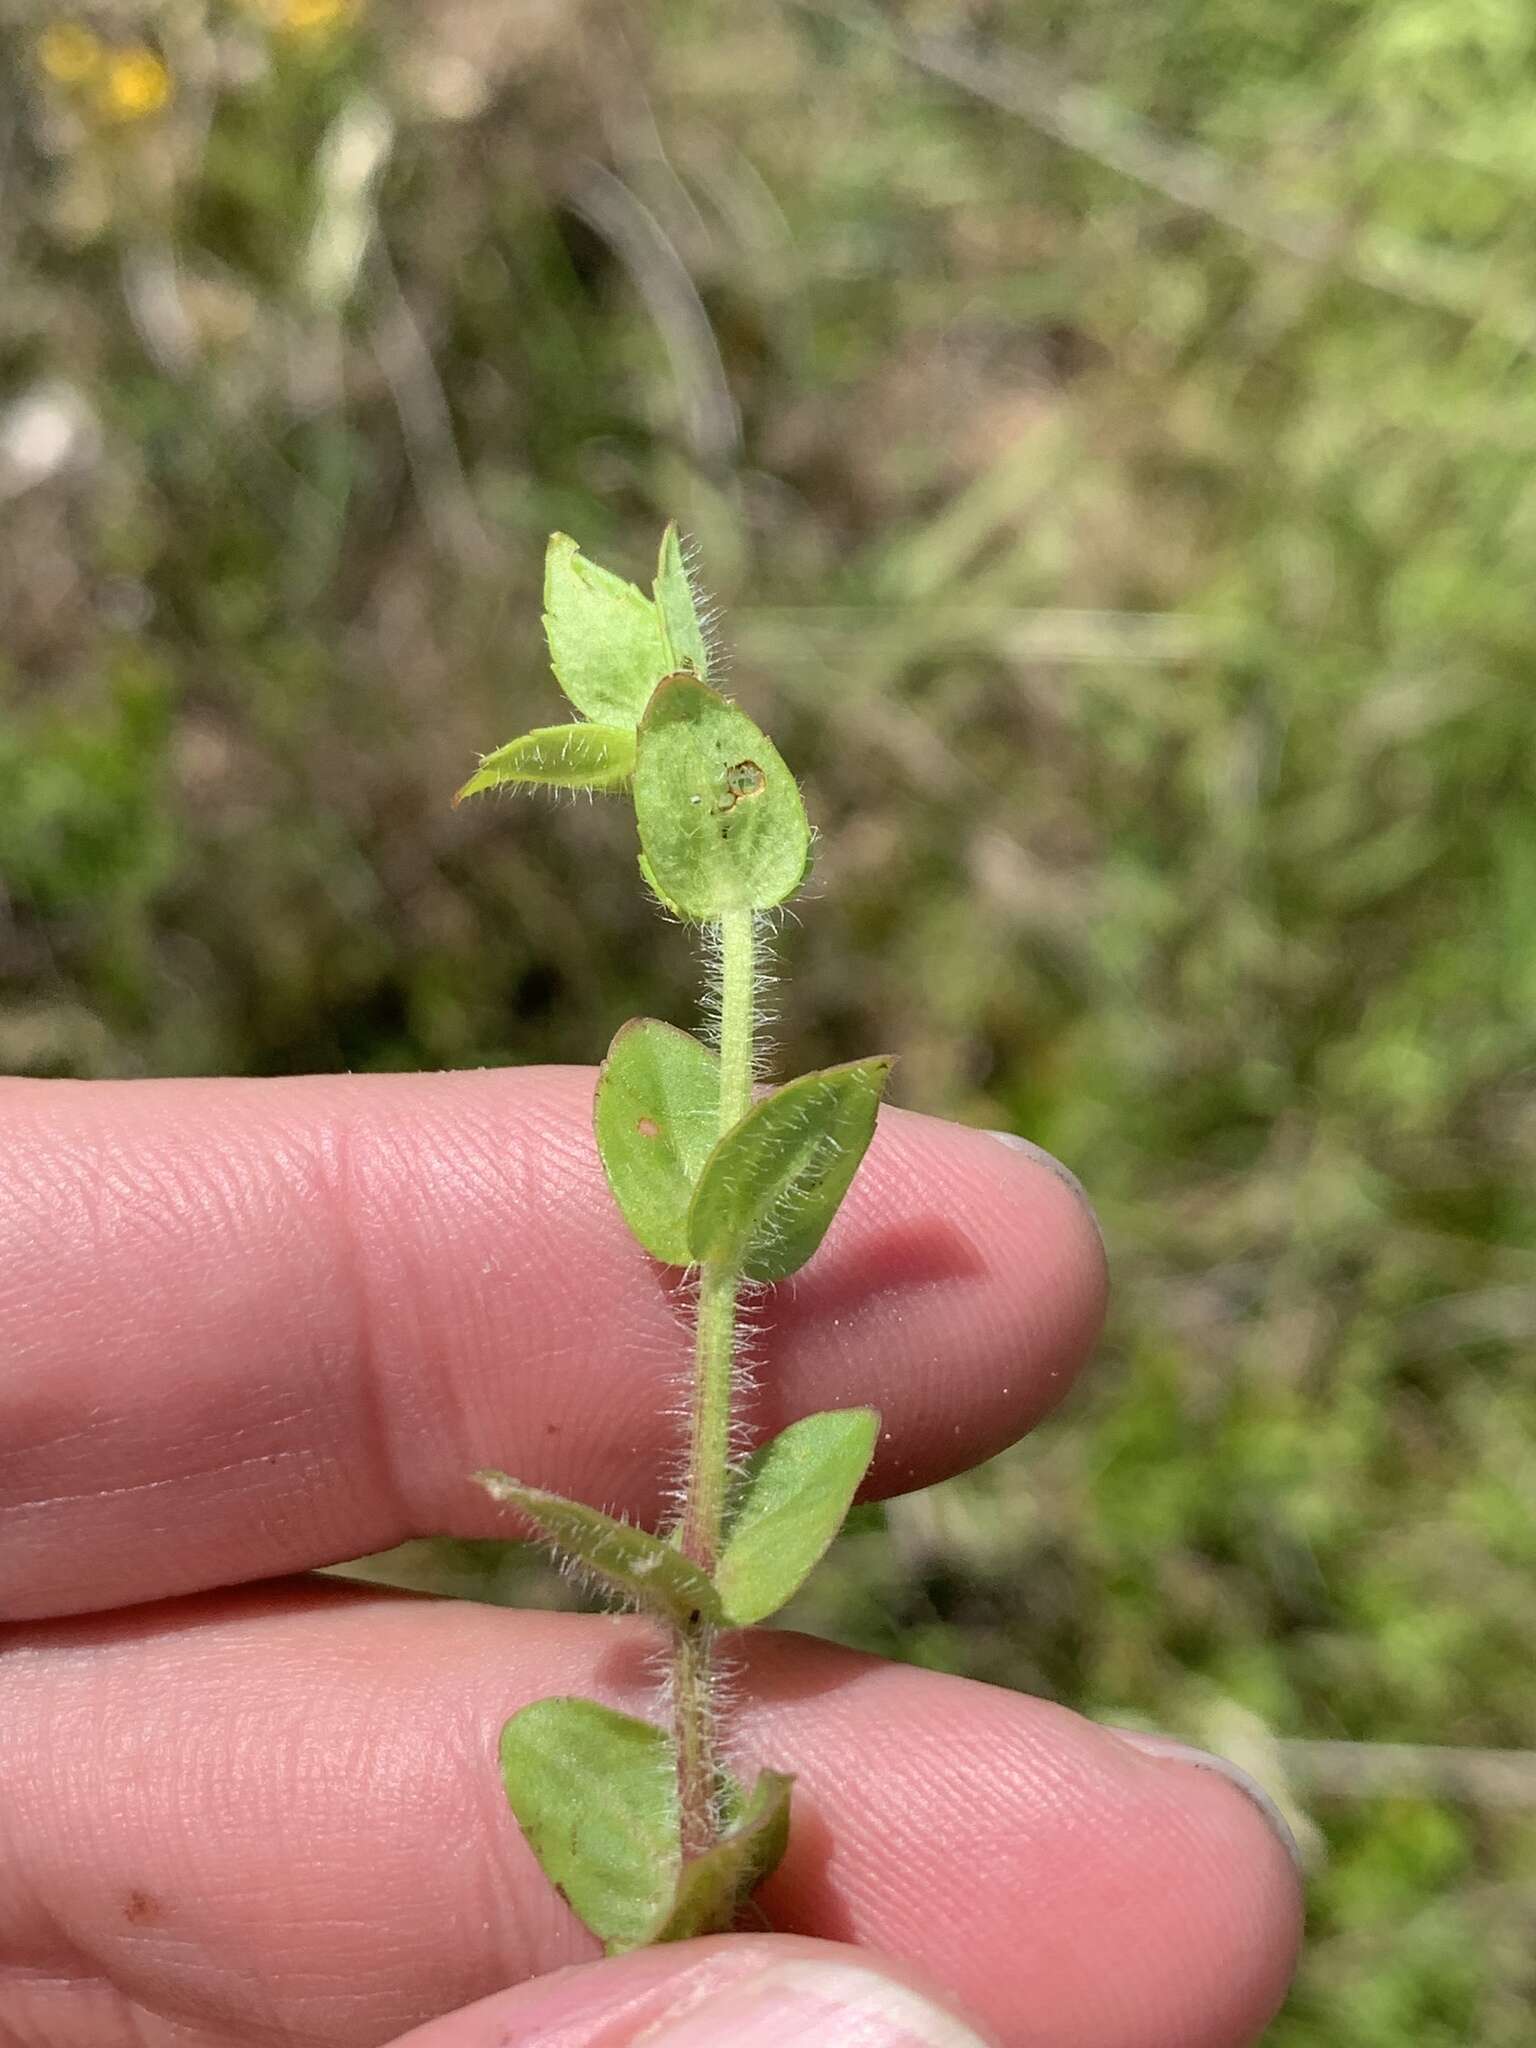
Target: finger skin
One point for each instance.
(254, 1327)
(622, 2002)
(275, 1816)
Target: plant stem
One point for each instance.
(709, 1408)
(692, 1709)
(709, 1446)
(738, 1014)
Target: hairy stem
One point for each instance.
(738, 1013)
(709, 1447)
(693, 1712)
(709, 1408)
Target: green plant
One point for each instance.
(642, 1828)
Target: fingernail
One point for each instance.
(1052, 1165)
(820, 2005)
(1166, 1747)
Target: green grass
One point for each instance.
(1194, 836)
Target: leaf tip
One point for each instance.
(670, 691)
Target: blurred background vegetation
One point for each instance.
(1110, 428)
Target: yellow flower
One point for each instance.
(311, 17)
(303, 17)
(136, 84)
(68, 53)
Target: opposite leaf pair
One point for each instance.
(596, 1792)
(789, 1505)
(620, 1867)
(760, 1198)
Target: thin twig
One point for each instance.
(708, 411)
(426, 421)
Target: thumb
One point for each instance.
(731, 1991)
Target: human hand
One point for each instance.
(256, 1327)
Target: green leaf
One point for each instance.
(595, 1793)
(559, 757)
(792, 1501)
(712, 1888)
(606, 644)
(656, 889)
(773, 1183)
(679, 609)
(631, 1561)
(656, 1114)
(721, 821)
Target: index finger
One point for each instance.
(254, 1327)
